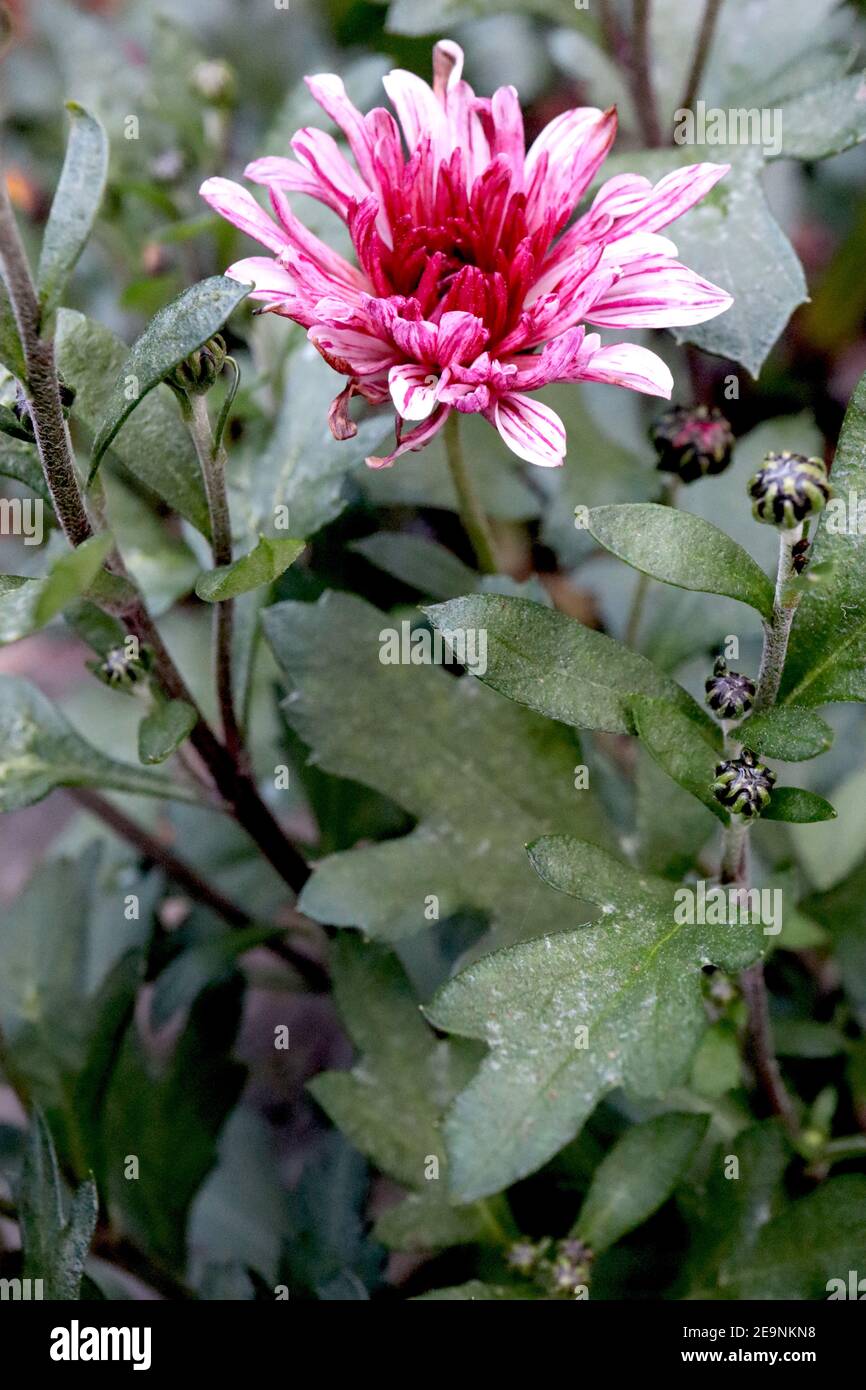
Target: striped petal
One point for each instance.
(531, 429)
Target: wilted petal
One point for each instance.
(413, 441)
(530, 429)
(351, 352)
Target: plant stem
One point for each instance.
(232, 780)
(641, 75)
(186, 877)
(635, 614)
(213, 468)
(702, 52)
(475, 523)
(735, 859)
(778, 630)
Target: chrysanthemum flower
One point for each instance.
(471, 289)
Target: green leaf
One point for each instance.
(161, 563)
(716, 1069)
(826, 120)
(55, 1243)
(633, 982)
(327, 1254)
(814, 1241)
(70, 577)
(684, 751)
(637, 1176)
(302, 467)
(678, 548)
(672, 830)
(827, 649)
(423, 565)
(727, 1217)
(39, 750)
(789, 734)
(176, 331)
(390, 1104)
(209, 956)
(475, 1291)
(424, 1221)
(154, 445)
(169, 1118)
(162, 731)
(267, 562)
(67, 979)
(842, 910)
(555, 665)
(798, 806)
(11, 351)
(441, 748)
(21, 461)
(76, 203)
(12, 426)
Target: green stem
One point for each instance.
(212, 459)
(702, 51)
(475, 523)
(778, 630)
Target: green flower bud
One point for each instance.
(729, 693)
(692, 443)
(120, 670)
(788, 488)
(199, 371)
(744, 784)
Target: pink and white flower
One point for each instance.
(473, 284)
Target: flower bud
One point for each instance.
(729, 693)
(692, 443)
(199, 371)
(788, 488)
(120, 670)
(744, 784)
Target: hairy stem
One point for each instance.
(213, 467)
(52, 440)
(702, 52)
(760, 1049)
(641, 74)
(472, 515)
(155, 851)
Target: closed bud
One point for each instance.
(692, 443)
(788, 488)
(729, 693)
(744, 784)
(198, 372)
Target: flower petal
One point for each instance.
(658, 292)
(413, 390)
(531, 429)
(240, 208)
(413, 441)
(627, 364)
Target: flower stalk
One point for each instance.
(475, 522)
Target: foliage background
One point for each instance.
(245, 1185)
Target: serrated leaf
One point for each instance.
(798, 806)
(267, 562)
(75, 206)
(783, 732)
(814, 1241)
(637, 1176)
(439, 747)
(555, 665)
(154, 444)
(55, 1243)
(633, 982)
(680, 549)
(389, 1105)
(39, 750)
(687, 753)
(172, 335)
(826, 657)
(162, 731)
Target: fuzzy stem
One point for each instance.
(475, 523)
(213, 467)
(641, 74)
(778, 630)
(702, 52)
(735, 861)
(52, 442)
